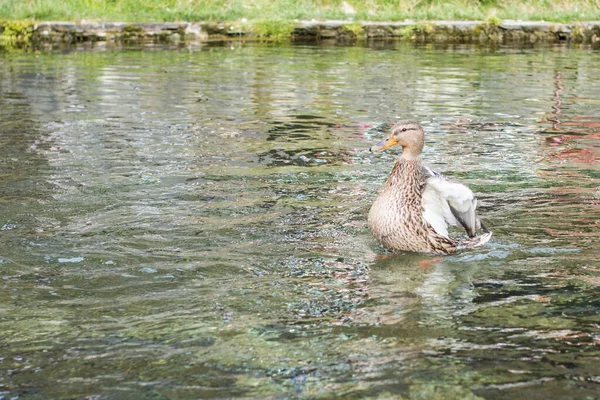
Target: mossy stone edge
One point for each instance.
(337, 31)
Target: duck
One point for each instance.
(416, 205)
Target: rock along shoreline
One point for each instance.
(507, 31)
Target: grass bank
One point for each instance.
(232, 10)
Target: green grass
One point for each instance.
(288, 10)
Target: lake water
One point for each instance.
(191, 223)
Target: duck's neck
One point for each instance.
(405, 174)
(408, 154)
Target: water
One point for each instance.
(192, 224)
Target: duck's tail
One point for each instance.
(474, 241)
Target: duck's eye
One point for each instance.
(403, 129)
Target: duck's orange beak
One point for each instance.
(384, 144)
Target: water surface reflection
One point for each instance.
(192, 224)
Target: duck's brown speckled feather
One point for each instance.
(396, 216)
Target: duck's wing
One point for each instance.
(447, 202)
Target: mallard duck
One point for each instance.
(416, 204)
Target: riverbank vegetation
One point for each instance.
(282, 10)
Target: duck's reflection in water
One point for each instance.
(415, 289)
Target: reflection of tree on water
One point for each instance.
(577, 128)
(569, 170)
(557, 101)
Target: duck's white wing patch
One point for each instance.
(446, 203)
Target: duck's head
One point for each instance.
(408, 134)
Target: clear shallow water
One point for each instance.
(192, 224)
